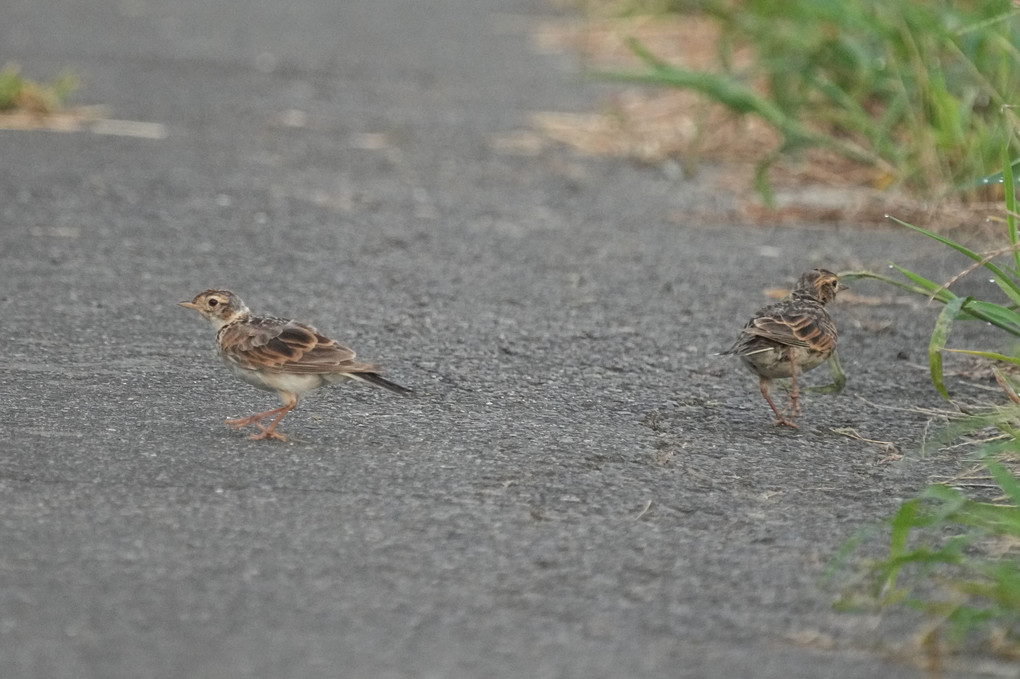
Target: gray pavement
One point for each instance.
(581, 489)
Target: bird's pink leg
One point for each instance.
(290, 400)
(781, 420)
(270, 431)
(246, 421)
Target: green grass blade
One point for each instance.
(11, 84)
(1006, 481)
(943, 324)
(988, 354)
(901, 525)
(1002, 588)
(1002, 279)
(930, 287)
(996, 314)
(952, 501)
(724, 89)
(993, 519)
(899, 532)
(1009, 187)
(990, 180)
(919, 289)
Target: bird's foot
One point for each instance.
(254, 419)
(268, 433)
(243, 422)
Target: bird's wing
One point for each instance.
(287, 347)
(795, 328)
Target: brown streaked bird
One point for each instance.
(791, 336)
(278, 354)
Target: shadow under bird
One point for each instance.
(791, 336)
(280, 355)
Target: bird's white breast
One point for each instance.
(270, 381)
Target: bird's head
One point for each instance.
(219, 307)
(818, 284)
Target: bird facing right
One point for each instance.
(791, 336)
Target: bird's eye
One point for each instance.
(213, 302)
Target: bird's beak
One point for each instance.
(188, 305)
(840, 287)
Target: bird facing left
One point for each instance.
(279, 355)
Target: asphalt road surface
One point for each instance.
(579, 489)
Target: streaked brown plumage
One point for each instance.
(791, 336)
(278, 354)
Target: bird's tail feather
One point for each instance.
(380, 381)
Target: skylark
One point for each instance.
(277, 354)
(791, 336)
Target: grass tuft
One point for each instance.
(20, 93)
(954, 552)
(919, 90)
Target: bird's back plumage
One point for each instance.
(789, 323)
(286, 346)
